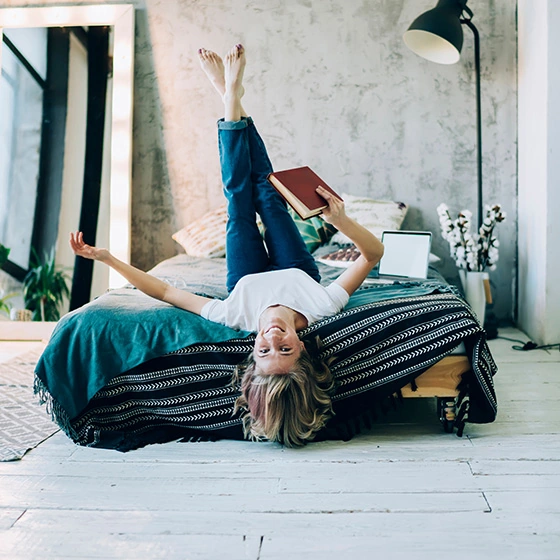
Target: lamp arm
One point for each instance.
(468, 10)
(474, 30)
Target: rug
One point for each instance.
(24, 424)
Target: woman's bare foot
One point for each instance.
(234, 68)
(213, 68)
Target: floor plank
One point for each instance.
(277, 524)
(504, 467)
(17, 544)
(460, 544)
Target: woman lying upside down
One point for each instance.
(273, 284)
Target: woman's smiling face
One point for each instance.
(277, 346)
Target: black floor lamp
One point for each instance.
(437, 35)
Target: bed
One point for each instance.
(125, 370)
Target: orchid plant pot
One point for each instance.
(475, 293)
(473, 253)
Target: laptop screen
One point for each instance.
(406, 253)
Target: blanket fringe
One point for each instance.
(198, 439)
(57, 413)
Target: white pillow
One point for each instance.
(374, 215)
(205, 237)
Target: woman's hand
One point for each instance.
(87, 251)
(335, 212)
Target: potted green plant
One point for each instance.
(44, 288)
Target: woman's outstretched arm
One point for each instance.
(370, 247)
(146, 283)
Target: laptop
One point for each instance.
(406, 256)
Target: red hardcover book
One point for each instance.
(298, 186)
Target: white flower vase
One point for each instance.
(473, 286)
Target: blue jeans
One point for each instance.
(245, 168)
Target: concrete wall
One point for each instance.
(539, 171)
(330, 84)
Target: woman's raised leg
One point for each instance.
(285, 245)
(245, 250)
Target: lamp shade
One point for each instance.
(437, 34)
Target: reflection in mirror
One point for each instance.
(24, 70)
(27, 173)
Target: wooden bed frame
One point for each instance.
(441, 381)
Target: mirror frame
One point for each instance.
(121, 18)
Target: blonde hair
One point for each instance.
(286, 407)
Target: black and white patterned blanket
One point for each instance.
(377, 348)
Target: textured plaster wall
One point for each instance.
(330, 84)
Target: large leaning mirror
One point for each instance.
(29, 39)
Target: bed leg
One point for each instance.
(446, 411)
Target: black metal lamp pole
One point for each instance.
(471, 26)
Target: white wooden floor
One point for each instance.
(405, 490)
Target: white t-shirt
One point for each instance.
(290, 287)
